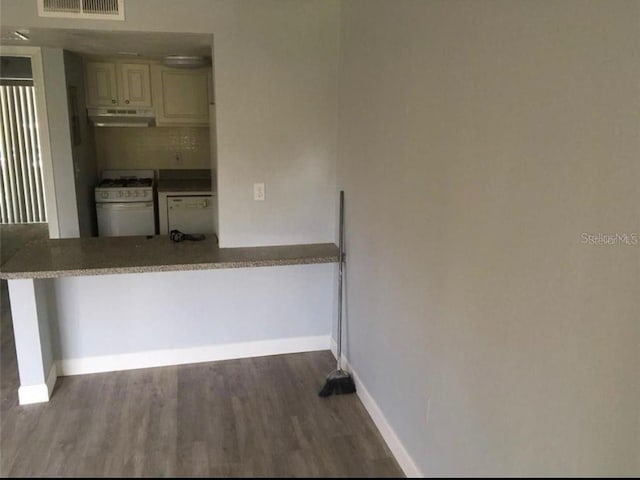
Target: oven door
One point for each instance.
(122, 219)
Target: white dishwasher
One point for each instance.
(192, 213)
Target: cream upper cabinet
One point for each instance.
(102, 88)
(135, 85)
(178, 96)
(181, 96)
(118, 84)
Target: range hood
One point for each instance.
(121, 117)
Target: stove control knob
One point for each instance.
(120, 194)
(143, 193)
(135, 193)
(127, 194)
(104, 195)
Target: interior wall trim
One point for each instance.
(181, 356)
(389, 435)
(29, 394)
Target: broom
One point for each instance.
(339, 381)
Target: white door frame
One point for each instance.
(37, 69)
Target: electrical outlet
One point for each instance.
(258, 191)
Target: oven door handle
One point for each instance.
(125, 206)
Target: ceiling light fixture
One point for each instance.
(186, 61)
(20, 35)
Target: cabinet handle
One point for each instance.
(127, 102)
(113, 101)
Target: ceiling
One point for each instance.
(100, 42)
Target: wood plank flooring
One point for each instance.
(13, 237)
(238, 418)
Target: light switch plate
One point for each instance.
(258, 191)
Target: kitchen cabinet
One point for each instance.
(180, 96)
(102, 90)
(118, 84)
(136, 84)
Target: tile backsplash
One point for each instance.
(153, 148)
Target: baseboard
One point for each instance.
(208, 353)
(394, 443)
(29, 394)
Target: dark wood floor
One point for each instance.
(250, 417)
(13, 237)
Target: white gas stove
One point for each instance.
(125, 203)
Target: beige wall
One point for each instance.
(477, 141)
(275, 64)
(152, 148)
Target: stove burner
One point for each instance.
(125, 182)
(139, 182)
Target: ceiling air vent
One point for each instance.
(87, 9)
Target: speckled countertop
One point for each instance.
(111, 255)
(185, 185)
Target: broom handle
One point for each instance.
(340, 268)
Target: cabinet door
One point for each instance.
(102, 89)
(135, 85)
(181, 97)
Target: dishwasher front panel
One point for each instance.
(192, 214)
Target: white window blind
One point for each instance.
(22, 195)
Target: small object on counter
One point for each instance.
(178, 236)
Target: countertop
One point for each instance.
(185, 185)
(112, 255)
